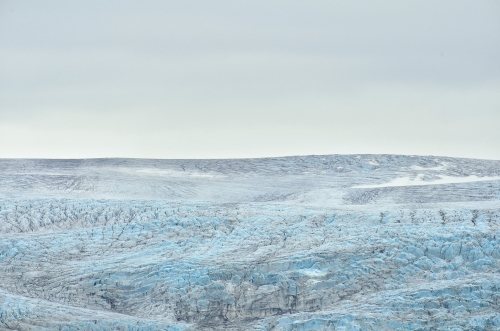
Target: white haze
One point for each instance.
(197, 79)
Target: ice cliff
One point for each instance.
(336, 242)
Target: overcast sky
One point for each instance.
(217, 79)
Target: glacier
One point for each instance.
(327, 242)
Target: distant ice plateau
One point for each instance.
(330, 242)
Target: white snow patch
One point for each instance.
(418, 181)
(313, 272)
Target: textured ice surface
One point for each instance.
(297, 243)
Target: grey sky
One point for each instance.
(210, 79)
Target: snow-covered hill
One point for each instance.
(337, 242)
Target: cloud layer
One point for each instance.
(198, 79)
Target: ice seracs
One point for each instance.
(297, 243)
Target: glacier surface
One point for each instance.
(334, 242)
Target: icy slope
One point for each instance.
(299, 243)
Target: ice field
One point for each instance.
(335, 242)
